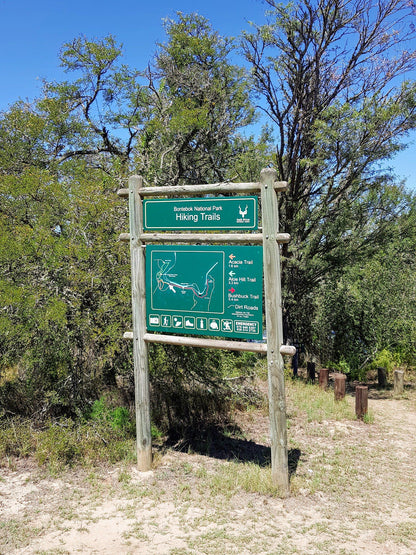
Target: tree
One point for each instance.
(100, 113)
(371, 308)
(176, 121)
(200, 101)
(64, 287)
(64, 279)
(329, 72)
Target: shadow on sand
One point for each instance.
(222, 443)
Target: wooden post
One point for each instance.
(274, 326)
(382, 377)
(323, 378)
(398, 382)
(140, 352)
(310, 368)
(361, 400)
(339, 386)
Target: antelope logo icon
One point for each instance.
(243, 213)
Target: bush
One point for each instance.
(117, 417)
(189, 386)
(65, 442)
(385, 359)
(16, 438)
(58, 444)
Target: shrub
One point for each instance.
(385, 359)
(66, 442)
(16, 438)
(117, 417)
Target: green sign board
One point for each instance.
(200, 213)
(205, 290)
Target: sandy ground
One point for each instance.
(353, 492)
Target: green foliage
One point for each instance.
(199, 102)
(58, 444)
(16, 438)
(366, 314)
(341, 366)
(118, 418)
(187, 388)
(63, 286)
(348, 273)
(64, 279)
(190, 389)
(339, 113)
(103, 102)
(156, 433)
(65, 442)
(385, 359)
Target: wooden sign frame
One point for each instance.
(270, 238)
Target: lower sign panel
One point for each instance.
(205, 290)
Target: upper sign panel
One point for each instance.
(231, 213)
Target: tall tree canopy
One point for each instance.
(200, 103)
(64, 278)
(178, 120)
(331, 76)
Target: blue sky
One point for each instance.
(32, 32)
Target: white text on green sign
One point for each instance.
(200, 213)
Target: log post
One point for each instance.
(361, 401)
(274, 326)
(323, 378)
(382, 377)
(339, 386)
(398, 382)
(310, 368)
(140, 351)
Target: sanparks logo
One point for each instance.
(242, 217)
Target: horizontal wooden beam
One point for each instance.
(210, 343)
(201, 342)
(236, 238)
(201, 238)
(213, 188)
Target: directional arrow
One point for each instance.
(232, 256)
(172, 288)
(231, 273)
(232, 290)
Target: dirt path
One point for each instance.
(354, 492)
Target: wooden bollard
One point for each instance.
(323, 378)
(339, 386)
(398, 382)
(361, 400)
(310, 366)
(382, 377)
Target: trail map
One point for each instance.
(195, 286)
(204, 290)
